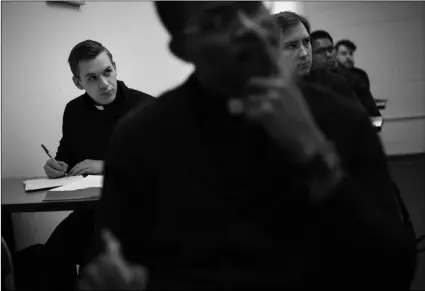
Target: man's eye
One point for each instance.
(92, 78)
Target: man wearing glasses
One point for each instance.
(242, 179)
(296, 37)
(324, 58)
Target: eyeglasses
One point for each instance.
(325, 50)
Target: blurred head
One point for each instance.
(345, 53)
(295, 31)
(94, 71)
(228, 42)
(323, 50)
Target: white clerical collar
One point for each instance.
(99, 107)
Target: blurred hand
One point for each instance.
(111, 271)
(277, 103)
(93, 167)
(55, 170)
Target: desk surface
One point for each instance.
(15, 199)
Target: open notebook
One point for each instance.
(89, 187)
(46, 183)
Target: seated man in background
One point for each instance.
(324, 59)
(243, 179)
(296, 37)
(345, 57)
(88, 121)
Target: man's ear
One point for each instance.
(178, 49)
(77, 82)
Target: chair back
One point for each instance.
(7, 274)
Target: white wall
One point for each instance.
(280, 6)
(36, 80)
(390, 37)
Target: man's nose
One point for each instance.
(302, 52)
(328, 53)
(103, 83)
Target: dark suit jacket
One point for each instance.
(332, 81)
(362, 74)
(361, 90)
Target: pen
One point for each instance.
(47, 152)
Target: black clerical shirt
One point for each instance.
(87, 127)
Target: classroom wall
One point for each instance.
(390, 37)
(36, 80)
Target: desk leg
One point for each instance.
(7, 230)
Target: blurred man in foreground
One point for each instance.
(241, 178)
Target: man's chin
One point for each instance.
(105, 100)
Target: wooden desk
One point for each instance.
(15, 199)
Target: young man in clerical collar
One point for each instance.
(88, 122)
(240, 178)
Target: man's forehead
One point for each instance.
(344, 48)
(295, 33)
(95, 66)
(322, 42)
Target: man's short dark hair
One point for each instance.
(347, 43)
(318, 34)
(171, 15)
(288, 19)
(85, 51)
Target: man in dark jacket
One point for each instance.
(88, 122)
(324, 58)
(345, 57)
(242, 179)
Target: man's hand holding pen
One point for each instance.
(55, 169)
